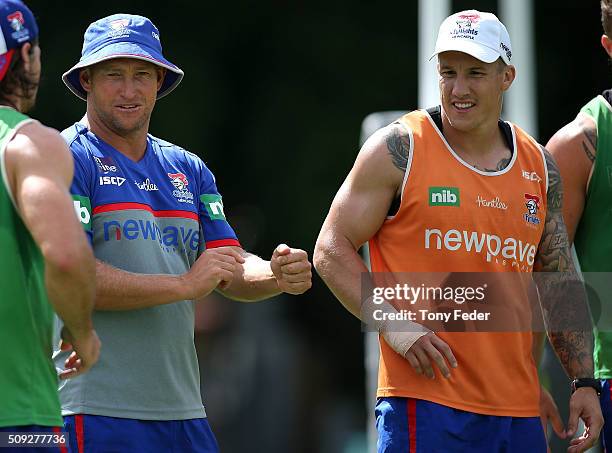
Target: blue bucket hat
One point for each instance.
(122, 36)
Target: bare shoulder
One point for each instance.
(386, 154)
(35, 141)
(576, 141)
(39, 137)
(41, 149)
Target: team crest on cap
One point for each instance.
(533, 204)
(464, 27)
(17, 22)
(467, 20)
(119, 24)
(119, 28)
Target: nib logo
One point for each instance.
(444, 196)
(82, 207)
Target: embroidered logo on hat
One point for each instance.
(466, 20)
(17, 26)
(119, 28)
(17, 23)
(16, 20)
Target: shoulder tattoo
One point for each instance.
(398, 145)
(589, 138)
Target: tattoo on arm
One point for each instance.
(398, 145)
(562, 295)
(588, 152)
(589, 139)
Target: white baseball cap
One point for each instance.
(480, 35)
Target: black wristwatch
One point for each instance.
(587, 382)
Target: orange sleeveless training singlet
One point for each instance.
(455, 218)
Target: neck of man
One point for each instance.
(482, 145)
(14, 102)
(133, 145)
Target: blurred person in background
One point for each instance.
(44, 255)
(157, 225)
(457, 391)
(583, 151)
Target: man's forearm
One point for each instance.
(575, 351)
(537, 347)
(253, 281)
(341, 268)
(562, 294)
(568, 321)
(71, 292)
(121, 290)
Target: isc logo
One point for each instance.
(111, 180)
(533, 176)
(444, 196)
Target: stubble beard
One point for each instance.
(120, 128)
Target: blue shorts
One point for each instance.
(408, 425)
(99, 434)
(31, 429)
(606, 410)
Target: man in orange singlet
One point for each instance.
(456, 189)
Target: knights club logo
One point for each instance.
(532, 202)
(179, 180)
(16, 20)
(119, 28)
(467, 20)
(119, 24)
(181, 192)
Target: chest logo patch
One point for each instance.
(532, 203)
(444, 196)
(180, 183)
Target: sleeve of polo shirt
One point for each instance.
(81, 189)
(217, 232)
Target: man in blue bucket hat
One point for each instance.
(157, 225)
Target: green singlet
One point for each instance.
(28, 380)
(593, 240)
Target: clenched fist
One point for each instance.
(214, 267)
(291, 269)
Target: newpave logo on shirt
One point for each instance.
(444, 196)
(213, 205)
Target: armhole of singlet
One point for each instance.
(395, 203)
(508, 135)
(594, 164)
(541, 149)
(3, 160)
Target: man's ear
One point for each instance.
(606, 43)
(509, 76)
(85, 79)
(161, 75)
(26, 56)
